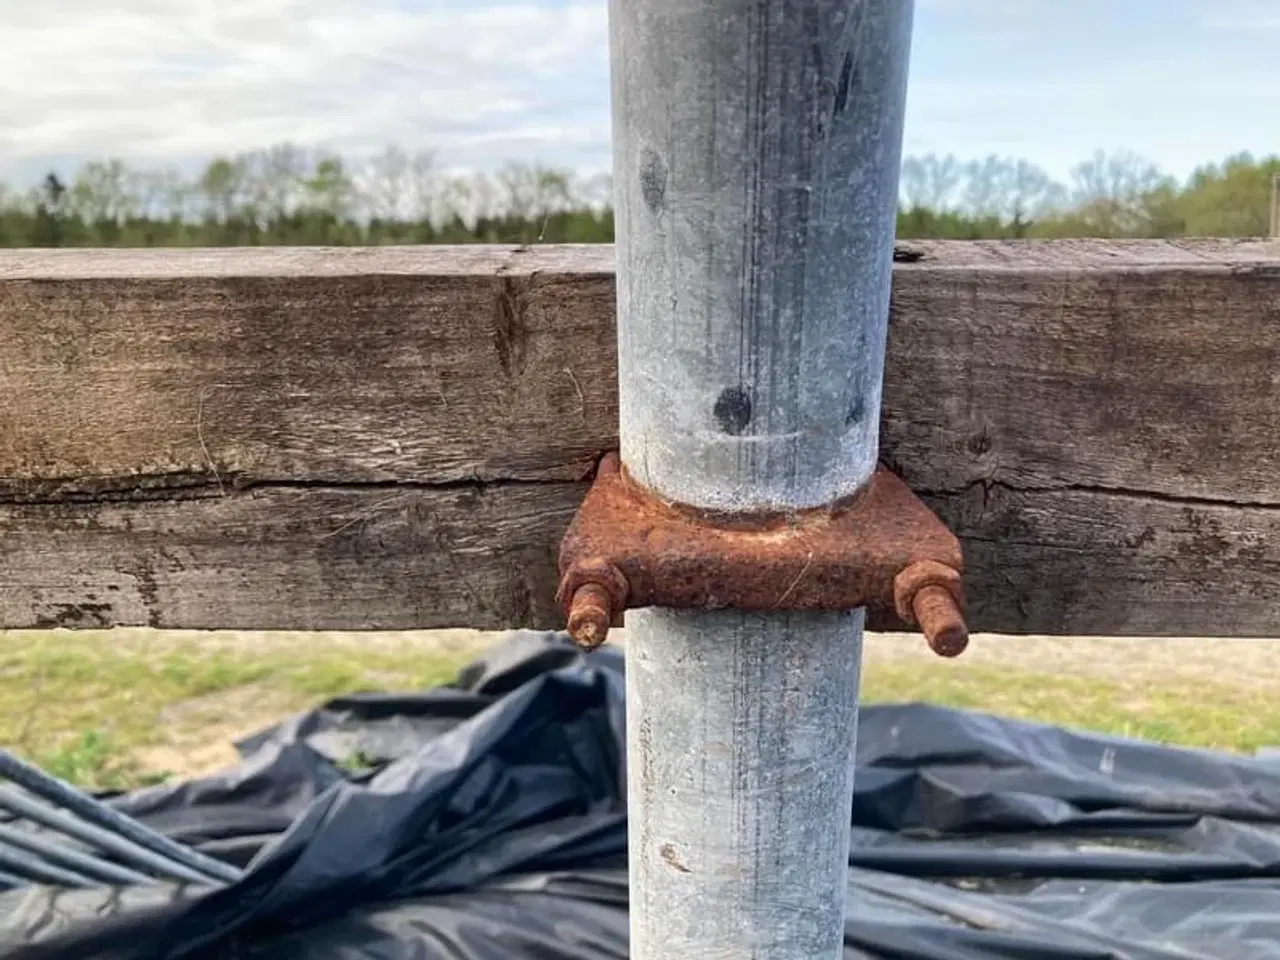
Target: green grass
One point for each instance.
(111, 711)
(108, 712)
(1169, 709)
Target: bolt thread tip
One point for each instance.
(940, 621)
(590, 615)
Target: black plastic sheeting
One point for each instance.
(494, 826)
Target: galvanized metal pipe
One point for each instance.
(756, 153)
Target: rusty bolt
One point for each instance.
(590, 613)
(940, 621)
(592, 592)
(929, 594)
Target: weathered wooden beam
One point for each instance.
(430, 365)
(326, 557)
(395, 438)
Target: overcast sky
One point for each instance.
(484, 81)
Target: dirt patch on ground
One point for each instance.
(1134, 661)
(200, 733)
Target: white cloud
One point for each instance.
(485, 81)
(168, 79)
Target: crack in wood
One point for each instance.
(1158, 496)
(176, 488)
(200, 486)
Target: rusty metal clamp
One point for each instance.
(881, 549)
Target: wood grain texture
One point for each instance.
(290, 558)
(342, 366)
(1116, 367)
(1059, 562)
(183, 431)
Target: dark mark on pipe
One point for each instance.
(842, 89)
(671, 857)
(733, 410)
(653, 180)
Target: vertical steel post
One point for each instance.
(757, 145)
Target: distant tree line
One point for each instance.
(288, 195)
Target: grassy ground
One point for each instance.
(110, 710)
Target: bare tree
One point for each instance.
(385, 185)
(276, 178)
(931, 182)
(1031, 193)
(225, 188)
(985, 184)
(1110, 192)
(595, 192)
(166, 194)
(330, 189)
(104, 191)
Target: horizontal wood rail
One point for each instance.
(395, 438)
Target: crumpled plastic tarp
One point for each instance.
(493, 825)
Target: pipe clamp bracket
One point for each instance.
(882, 549)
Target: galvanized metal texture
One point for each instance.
(627, 548)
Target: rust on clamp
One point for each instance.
(882, 549)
